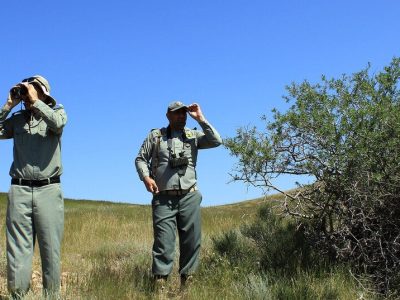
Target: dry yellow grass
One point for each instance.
(106, 254)
(119, 233)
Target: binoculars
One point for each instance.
(178, 162)
(18, 91)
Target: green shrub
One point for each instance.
(237, 250)
(270, 243)
(282, 245)
(343, 134)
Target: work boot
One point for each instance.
(160, 285)
(186, 282)
(17, 295)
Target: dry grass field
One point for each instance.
(106, 254)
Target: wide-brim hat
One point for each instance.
(175, 105)
(45, 86)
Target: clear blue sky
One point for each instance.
(115, 66)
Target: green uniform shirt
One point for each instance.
(168, 178)
(37, 140)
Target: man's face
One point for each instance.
(177, 118)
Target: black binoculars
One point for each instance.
(18, 91)
(178, 162)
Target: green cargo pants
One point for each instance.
(169, 214)
(31, 212)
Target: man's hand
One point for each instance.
(195, 112)
(32, 94)
(29, 99)
(10, 103)
(151, 185)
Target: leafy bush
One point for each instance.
(345, 134)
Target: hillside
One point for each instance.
(119, 232)
(106, 254)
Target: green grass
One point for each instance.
(106, 254)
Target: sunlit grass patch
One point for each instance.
(106, 254)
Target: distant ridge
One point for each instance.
(243, 204)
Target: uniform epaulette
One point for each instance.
(159, 131)
(155, 132)
(58, 106)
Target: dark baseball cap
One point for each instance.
(44, 84)
(175, 105)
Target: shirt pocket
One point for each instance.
(163, 152)
(43, 128)
(20, 134)
(190, 150)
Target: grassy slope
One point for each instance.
(106, 252)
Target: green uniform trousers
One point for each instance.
(31, 212)
(169, 214)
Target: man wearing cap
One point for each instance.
(166, 164)
(35, 201)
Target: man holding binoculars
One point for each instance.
(166, 164)
(35, 200)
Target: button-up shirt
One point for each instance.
(37, 140)
(186, 142)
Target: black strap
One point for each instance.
(181, 170)
(169, 134)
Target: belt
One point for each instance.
(178, 192)
(35, 183)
